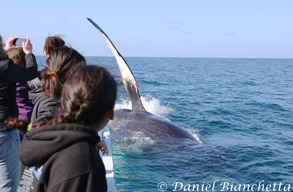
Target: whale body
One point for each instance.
(138, 121)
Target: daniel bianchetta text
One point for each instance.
(225, 186)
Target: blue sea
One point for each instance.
(239, 110)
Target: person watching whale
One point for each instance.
(10, 74)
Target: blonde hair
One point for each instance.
(17, 55)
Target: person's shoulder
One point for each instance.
(76, 159)
(5, 64)
(79, 152)
(77, 164)
(5, 61)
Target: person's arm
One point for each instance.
(33, 84)
(103, 147)
(19, 74)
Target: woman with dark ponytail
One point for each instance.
(70, 161)
(46, 97)
(51, 43)
(61, 63)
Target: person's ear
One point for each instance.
(111, 113)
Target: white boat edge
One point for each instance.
(108, 160)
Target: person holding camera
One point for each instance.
(10, 74)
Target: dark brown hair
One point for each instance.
(3, 54)
(88, 94)
(60, 64)
(17, 55)
(14, 123)
(53, 42)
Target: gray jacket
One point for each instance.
(44, 107)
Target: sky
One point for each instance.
(157, 28)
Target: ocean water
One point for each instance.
(240, 110)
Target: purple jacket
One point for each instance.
(25, 106)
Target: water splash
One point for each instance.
(150, 103)
(195, 134)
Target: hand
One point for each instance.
(103, 147)
(9, 43)
(27, 46)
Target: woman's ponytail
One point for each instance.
(50, 83)
(60, 64)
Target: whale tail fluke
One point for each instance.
(126, 74)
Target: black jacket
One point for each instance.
(44, 107)
(10, 74)
(68, 156)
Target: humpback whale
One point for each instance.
(138, 121)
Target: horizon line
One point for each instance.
(189, 57)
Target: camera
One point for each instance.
(18, 42)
